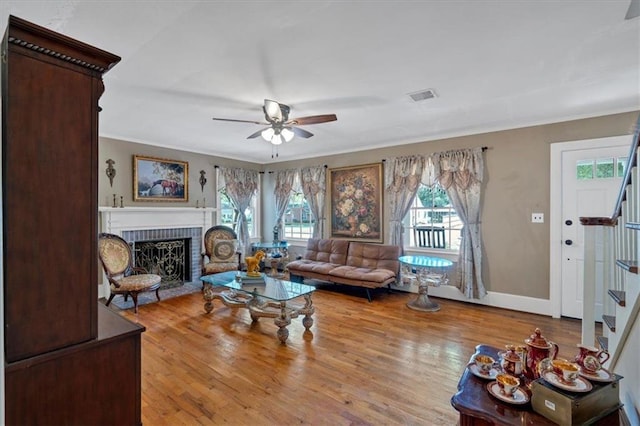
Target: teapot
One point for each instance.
(538, 349)
(585, 351)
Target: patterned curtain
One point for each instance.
(460, 173)
(402, 177)
(240, 185)
(314, 188)
(285, 180)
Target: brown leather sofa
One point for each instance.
(348, 262)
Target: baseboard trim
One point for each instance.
(498, 300)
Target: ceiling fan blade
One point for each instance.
(634, 10)
(258, 133)
(239, 121)
(300, 132)
(272, 111)
(313, 119)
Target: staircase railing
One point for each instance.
(619, 253)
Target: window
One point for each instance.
(432, 222)
(228, 215)
(298, 220)
(601, 168)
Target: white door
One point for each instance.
(585, 195)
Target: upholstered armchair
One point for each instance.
(124, 278)
(220, 251)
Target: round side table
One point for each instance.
(429, 271)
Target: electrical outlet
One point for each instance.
(537, 217)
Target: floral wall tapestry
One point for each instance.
(356, 202)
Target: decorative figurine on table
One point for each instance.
(253, 263)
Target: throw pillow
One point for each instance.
(223, 251)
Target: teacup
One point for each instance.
(507, 383)
(586, 356)
(565, 369)
(484, 363)
(590, 364)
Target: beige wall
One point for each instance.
(122, 153)
(516, 184)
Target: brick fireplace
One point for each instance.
(172, 253)
(162, 229)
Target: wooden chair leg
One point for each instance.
(134, 296)
(157, 293)
(110, 299)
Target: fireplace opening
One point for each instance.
(169, 258)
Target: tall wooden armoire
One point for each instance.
(68, 359)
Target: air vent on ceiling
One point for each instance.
(423, 95)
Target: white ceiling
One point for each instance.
(495, 64)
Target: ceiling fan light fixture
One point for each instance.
(281, 129)
(267, 134)
(287, 134)
(277, 139)
(272, 111)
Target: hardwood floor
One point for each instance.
(376, 363)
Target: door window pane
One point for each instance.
(604, 168)
(622, 163)
(584, 169)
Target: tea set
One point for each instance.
(538, 358)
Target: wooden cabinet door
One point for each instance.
(49, 208)
(50, 98)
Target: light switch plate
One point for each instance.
(537, 217)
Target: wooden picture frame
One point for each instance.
(159, 179)
(356, 202)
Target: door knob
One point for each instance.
(568, 222)
(568, 242)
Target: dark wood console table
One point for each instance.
(478, 408)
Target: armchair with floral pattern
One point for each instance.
(124, 278)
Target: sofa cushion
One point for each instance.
(362, 274)
(327, 250)
(304, 265)
(374, 256)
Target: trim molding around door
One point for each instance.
(555, 208)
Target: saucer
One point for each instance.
(580, 385)
(519, 397)
(601, 375)
(492, 374)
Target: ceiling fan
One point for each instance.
(280, 127)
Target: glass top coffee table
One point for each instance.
(266, 297)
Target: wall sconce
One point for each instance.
(203, 180)
(110, 171)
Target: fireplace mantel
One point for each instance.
(114, 220)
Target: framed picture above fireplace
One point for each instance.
(158, 179)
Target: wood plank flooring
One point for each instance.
(376, 363)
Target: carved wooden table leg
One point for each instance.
(307, 310)
(282, 321)
(208, 297)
